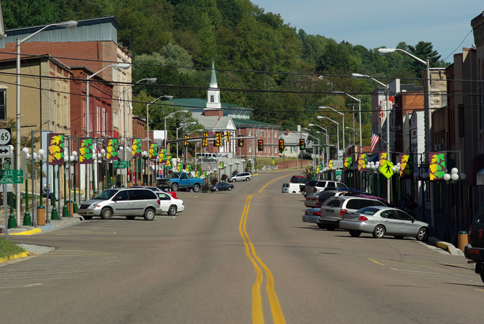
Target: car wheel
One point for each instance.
(174, 187)
(355, 233)
(87, 217)
(130, 217)
(330, 227)
(422, 234)
(247, 179)
(398, 237)
(196, 187)
(106, 213)
(172, 210)
(321, 225)
(150, 214)
(379, 231)
(230, 188)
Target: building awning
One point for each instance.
(476, 177)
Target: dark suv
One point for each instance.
(475, 249)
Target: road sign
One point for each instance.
(5, 151)
(386, 169)
(120, 164)
(5, 136)
(11, 176)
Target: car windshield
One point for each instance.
(105, 194)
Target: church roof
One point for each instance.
(252, 123)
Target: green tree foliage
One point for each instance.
(265, 64)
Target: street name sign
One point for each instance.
(11, 176)
(120, 164)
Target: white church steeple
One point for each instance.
(213, 93)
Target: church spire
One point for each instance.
(213, 78)
(213, 93)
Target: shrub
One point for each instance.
(224, 177)
(214, 181)
(206, 187)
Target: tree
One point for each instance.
(423, 50)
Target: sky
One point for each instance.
(377, 23)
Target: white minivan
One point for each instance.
(291, 188)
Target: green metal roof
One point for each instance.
(200, 104)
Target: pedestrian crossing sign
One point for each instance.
(386, 169)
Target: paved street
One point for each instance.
(242, 256)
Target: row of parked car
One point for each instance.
(333, 205)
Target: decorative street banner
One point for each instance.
(348, 162)
(168, 161)
(56, 149)
(362, 160)
(330, 165)
(85, 151)
(112, 149)
(437, 166)
(153, 150)
(204, 174)
(136, 147)
(189, 168)
(180, 166)
(406, 165)
(382, 157)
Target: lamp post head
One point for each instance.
(122, 65)
(169, 97)
(358, 75)
(152, 80)
(71, 24)
(383, 51)
(311, 125)
(320, 117)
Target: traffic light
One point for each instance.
(204, 139)
(241, 142)
(185, 142)
(227, 137)
(260, 145)
(281, 145)
(302, 145)
(218, 139)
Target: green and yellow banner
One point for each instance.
(330, 165)
(348, 160)
(437, 165)
(136, 147)
(153, 150)
(362, 160)
(56, 149)
(86, 151)
(406, 165)
(112, 149)
(382, 157)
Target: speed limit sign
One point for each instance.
(5, 136)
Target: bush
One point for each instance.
(224, 177)
(206, 187)
(214, 181)
(234, 172)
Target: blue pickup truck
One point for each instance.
(180, 180)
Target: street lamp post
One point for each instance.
(359, 114)
(427, 121)
(165, 133)
(343, 121)
(182, 126)
(387, 123)
(337, 132)
(152, 80)
(88, 131)
(327, 139)
(67, 24)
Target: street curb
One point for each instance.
(445, 246)
(15, 256)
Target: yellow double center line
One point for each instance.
(257, 313)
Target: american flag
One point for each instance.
(374, 141)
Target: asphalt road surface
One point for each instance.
(243, 256)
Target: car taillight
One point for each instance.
(307, 198)
(318, 213)
(469, 238)
(342, 212)
(159, 202)
(362, 219)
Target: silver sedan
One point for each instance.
(382, 221)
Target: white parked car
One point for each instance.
(170, 205)
(291, 188)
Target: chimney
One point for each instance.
(287, 131)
